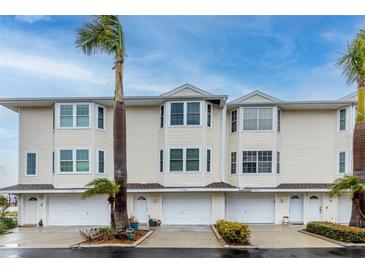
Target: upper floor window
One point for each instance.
(31, 164)
(101, 162)
(342, 162)
(233, 162)
(342, 119)
(279, 120)
(66, 115)
(257, 118)
(101, 118)
(257, 161)
(192, 159)
(177, 114)
(176, 160)
(74, 160)
(66, 160)
(209, 115)
(161, 160)
(82, 115)
(234, 121)
(82, 160)
(278, 162)
(162, 116)
(209, 160)
(193, 113)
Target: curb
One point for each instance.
(225, 245)
(331, 240)
(84, 245)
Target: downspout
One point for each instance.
(223, 140)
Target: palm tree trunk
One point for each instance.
(358, 202)
(120, 147)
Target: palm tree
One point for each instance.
(352, 65)
(103, 186)
(104, 33)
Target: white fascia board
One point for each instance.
(290, 190)
(187, 189)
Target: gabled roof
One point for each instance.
(349, 97)
(176, 91)
(261, 96)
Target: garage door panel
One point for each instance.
(73, 210)
(251, 208)
(187, 209)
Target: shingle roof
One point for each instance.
(304, 186)
(219, 185)
(144, 186)
(28, 187)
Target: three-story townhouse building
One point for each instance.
(192, 158)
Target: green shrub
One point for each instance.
(348, 234)
(2, 228)
(97, 234)
(8, 223)
(233, 232)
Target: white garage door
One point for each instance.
(70, 209)
(251, 208)
(187, 209)
(344, 209)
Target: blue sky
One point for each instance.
(289, 57)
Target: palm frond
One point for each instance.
(347, 184)
(103, 33)
(100, 186)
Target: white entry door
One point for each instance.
(315, 207)
(30, 210)
(187, 209)
(140, 208)
(296, 208)
(344, 209)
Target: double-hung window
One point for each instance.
(342, 119)
(66, 160)
(161, 160)
(193, 113)
(177, 114)
(209, 160)
(342, 162)
(209, 115)
(234, 121)
(233, 162)
(278, 162)
(257, 161)
(257, 118)
(162, 116)
(82, 115)
(192, 159)
(101, 117)
(66, 115)
(101, 162)
(176, 159)
(31, 162)
(82, 160)
(278, 120)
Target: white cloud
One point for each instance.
(30, 19)
(51, 66)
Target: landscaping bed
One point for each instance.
(137, 235)
(6, 224)
(232, 234)
(341, 233)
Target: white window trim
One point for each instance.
(26, 163)
(74, 112)
(230, 122)
(276, 162)
(273, 162)
(338, 162)
(346, 120)
(184, 148)
(259, 130)
(206, 160)
(97, 161)
(278, 110)
(211, 115)
(97, 117)
(185, 114)
(230, 163)
(73, 160)
(164, 117)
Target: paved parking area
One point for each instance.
(283, 236)
(45, 237)
(182, 237)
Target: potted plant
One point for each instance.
(130, 233)
(133, 222)
(152, 222)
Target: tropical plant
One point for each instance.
(104, 34)
(352, 65)
(353, 185)
(4, 205)
(103, 186)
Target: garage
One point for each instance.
(344, 209)
(251, 208)
(186, 209)
(71, 209)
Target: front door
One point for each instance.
(30, 210)
(315, 207)
(140, 208)
(296, 208)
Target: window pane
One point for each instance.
(192, 153)
(161, 160)
(264, 161)
(66, 155)
(100, 118)
(342, 162)
(192, 159)
(177, 114)
(82, 116)
(82, 121)
(234, 121)
(162, 115)
(343, 119)
(101, 162)
(233, 162)
(66, 166)
(249, 156)
(82, 110)
(176, 160)
(66, 110)
(249, 167)
(31, 163)
(278, 162)
(82, 155)
(192, 165)
(208, 160)
(249, 161)
(209, 115)
(265, 119)
(264, 167)
(249, 124)
(66, 121)
(82, 166)
(193, 115)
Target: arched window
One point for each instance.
(32, 199)
(294, 197)
(314, 197)
(141, 198)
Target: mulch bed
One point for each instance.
(138, 235)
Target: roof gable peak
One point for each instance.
(186, 90)
(256, 96)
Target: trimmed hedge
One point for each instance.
(233, 232)
(343, 233)
(6, 224)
